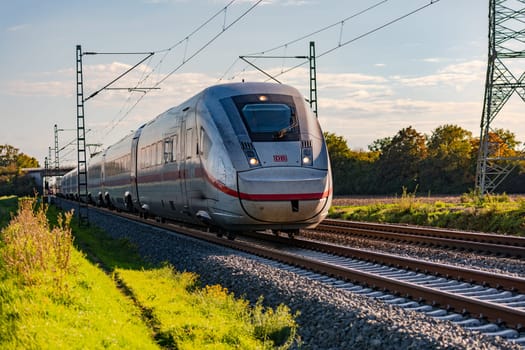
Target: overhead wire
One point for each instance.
(185, 60)
(432, 2)
(116, 121)
(320, 30)
(339, 45)
(226, 26)
(317, 31)
(209, 42)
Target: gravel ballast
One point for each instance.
(330, 318)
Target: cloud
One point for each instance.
(50, 88)
(456, 75)
(18, 27)
(362, 107)
(433, 60)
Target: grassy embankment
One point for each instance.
(492, 213)
(51, 296)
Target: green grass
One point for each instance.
(491, 213)
(189, 317)
(51, 296)
(91, 314)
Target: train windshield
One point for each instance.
(268, 117)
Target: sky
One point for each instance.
(425, 70)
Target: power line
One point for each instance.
(339, 45)
(209, 42)
(285, 46)
(185, 60)
(432, 2)
(186, 39)
(145, 77)
(341, 22)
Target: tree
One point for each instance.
(12, 181)
(380, 144)
(25, 161)
(400, 161)
(337, 146)
(339, 153)
(448, 167)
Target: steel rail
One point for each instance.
(491, 243)
(514, 318)
(516, 284)
(432, 231)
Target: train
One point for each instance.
(245, 156)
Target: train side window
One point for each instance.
(204, 143)
(160, 152)
(175, 143)
(168, 150)
(151, 155)
(147, 160)
(154, 154)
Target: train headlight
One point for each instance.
(306, 157)
(252, 158)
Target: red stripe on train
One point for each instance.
(265, 196)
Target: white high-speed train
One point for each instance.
(235, 157)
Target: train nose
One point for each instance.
(284, 195)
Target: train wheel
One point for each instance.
(292, 233)
(231, 236)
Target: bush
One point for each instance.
(32, 249)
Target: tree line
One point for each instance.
(441, 163)
(12, 180)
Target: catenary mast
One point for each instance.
(505, 75)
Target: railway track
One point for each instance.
(448, 292)
(480, 294)
(496, 298)
(470, 241)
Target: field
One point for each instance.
(372, 200)
(504, 214)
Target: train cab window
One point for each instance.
(269, 117)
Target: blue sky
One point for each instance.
(425, 70)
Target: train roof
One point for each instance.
(233, 89)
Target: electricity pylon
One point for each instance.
(505, 75)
